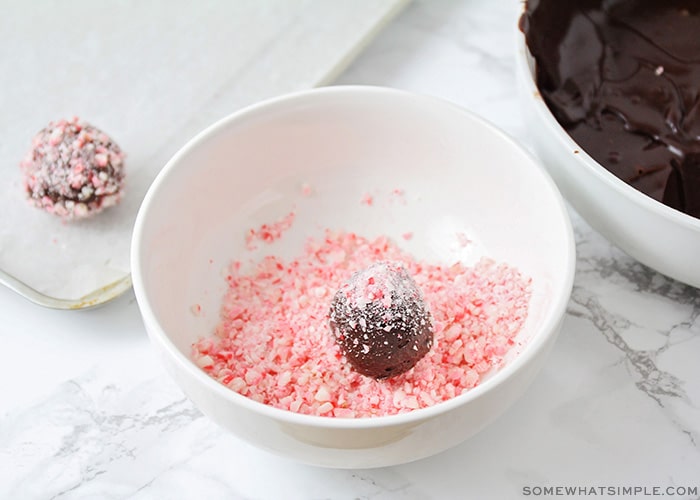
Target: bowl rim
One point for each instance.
(550, 322)
(633, 195)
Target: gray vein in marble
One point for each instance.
(84, 429)
(636, 275)
(625, 274)
(655, 383)
(384, 483)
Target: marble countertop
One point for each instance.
(87, 410)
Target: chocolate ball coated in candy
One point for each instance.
(73, 170)
(380, 321)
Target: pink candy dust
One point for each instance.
(269, 233)
(273, 343)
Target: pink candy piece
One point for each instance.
(463, 240)
(273, 343)
(306, 190)
(367, 199)
(269, 233)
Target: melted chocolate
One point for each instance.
(623, 78)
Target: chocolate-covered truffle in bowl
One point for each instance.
(380, 321)
(73, 170)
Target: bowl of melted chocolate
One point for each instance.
(612, 90)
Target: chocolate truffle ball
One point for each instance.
(73, 170)
(380, 321)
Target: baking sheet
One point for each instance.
(151, 75)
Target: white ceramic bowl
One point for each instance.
(458, 173)
(656, 235)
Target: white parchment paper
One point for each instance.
(151, 75)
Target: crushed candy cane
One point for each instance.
(269, 233)
(273, 343)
